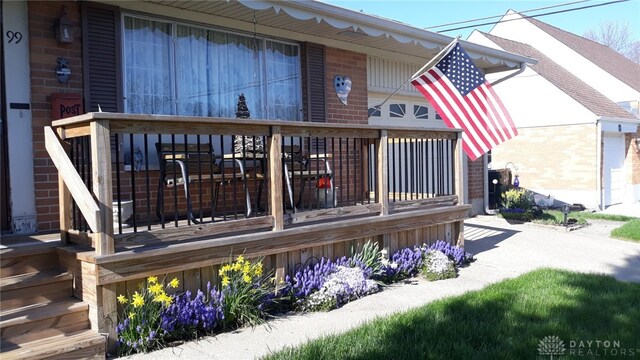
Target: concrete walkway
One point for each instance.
(502, 251)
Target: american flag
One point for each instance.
(464, 99)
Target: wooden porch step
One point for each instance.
(34, 321)
(85, 344)
(36, 287)
(25, 258)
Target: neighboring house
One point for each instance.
(151, 57)
(578, 135)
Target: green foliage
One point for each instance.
(371, 256)
(247, 292)
(506, 320)
(516, 199)
(628, 231)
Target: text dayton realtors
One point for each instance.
(600, 348)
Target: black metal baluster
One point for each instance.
(148, 185)
(118, 188)
(161, 184)
(198, 144)
(175, 180)
(213, 183)
(133, 182)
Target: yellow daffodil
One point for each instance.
(240, 259)
(246, 278)
(132, 315)
(152, 280)
(258, 269)
(155, 289)
(167, 299)
(138, 300)
(225, 281)
(237, 266)
(174, 283)
(122, 299)
(246, 269)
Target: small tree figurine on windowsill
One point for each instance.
(244, 144)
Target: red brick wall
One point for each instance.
(475, 179)
(352, 64)
(44, 51)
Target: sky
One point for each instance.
(426, 13)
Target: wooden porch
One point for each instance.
(314, 190)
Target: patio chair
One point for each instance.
(300, 167)
(182, 164)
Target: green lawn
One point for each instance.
(628, 231)
(503, 321)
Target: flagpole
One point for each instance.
(427, 65)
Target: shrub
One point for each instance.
(141, 329)
(438, 266)
(516, 199)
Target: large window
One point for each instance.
(172, 68)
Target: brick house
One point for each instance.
(579, 139)
(350, 43)
(158, 65)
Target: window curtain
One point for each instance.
(201, 72)
(147, 67)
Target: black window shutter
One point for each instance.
(101, 54)
(314, 60)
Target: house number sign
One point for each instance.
(13, 37)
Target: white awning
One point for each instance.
(327, 21)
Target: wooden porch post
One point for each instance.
(107, 313)
(64, 198)
(459, 187)
(275, 194)
(390, 241)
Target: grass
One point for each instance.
(506, 320)
(628, 231)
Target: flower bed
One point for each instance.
(152, 318)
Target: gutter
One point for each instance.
(600, 193)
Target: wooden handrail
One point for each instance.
(87, 205)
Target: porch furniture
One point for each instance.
(181, 164)
(299, 166)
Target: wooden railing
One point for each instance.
(341, 171)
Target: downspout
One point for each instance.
(600, 193)
(485, 171)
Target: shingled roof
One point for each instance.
(606, 58)
(570, 84)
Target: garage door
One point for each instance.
(613, 168)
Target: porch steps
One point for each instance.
(19, 324)
(39, 318)
(35, 287)
(84, 344)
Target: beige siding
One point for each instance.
(385, 74)
(560, 157)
